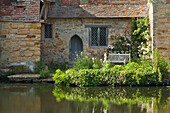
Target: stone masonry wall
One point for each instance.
(161, 26)
(19, 43)
(19, 10)
(64, 29)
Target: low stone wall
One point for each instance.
(19, 43)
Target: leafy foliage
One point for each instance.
(145, 72)
(120, 45)
(160, 64)
(52, 66)
(138, 45)
(20, 69)
(140, 36)
(45, 74)
(82, 62)
(117, 95)
(39, 66)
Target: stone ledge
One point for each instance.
(28, 78)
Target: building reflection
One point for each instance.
(37, 99)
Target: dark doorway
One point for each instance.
(76, 47)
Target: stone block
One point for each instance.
(28, 54)
(5, 31)
(30, 44)
(23, 43)
(14, 25)
(23, 32)
(5, 54)
(36, 25)
(28, 25)
(6, 25)
(21, 25)
(35, 31)
(37, 53)
(13, 31)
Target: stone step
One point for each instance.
(29, 78)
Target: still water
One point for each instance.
(45, 98)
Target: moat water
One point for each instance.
(45, 98)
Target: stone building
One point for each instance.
(56, 29)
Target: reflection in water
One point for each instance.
(36, 98)
(116, 100)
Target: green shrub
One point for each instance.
(160, 64)
(61, 78)
(97, 63)
(144, 72)
(82, 62)
(8, 73)
(88, 77)
(45, 74)
(54, 66)
(39, 66)
(20, 69)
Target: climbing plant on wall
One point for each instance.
(138, 44)
(140, 37)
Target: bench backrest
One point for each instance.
(116, 58)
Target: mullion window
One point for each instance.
(98, 37)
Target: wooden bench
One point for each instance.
(119, 58)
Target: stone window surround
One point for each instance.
(98, 26)
(43, 31)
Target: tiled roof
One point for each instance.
(108, 11)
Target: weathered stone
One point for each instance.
(13, 31)
(5, 54)
(31, 36)
(36, 25)
(37, 53)
(14, 25)
(28, 54)
(5, 31)
(21, 25)
(35, 31)
(28, 25)
(23, 31)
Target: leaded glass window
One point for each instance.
(48, 31)
(98, 37)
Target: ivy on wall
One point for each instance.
(138, 44)
(140, 37)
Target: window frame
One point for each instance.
(52, 31)
(98, 31)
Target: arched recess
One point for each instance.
(75, 47)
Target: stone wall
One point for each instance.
(161, 26)
(19, 10)
(64, 29)
(19, 43)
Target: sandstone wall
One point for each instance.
(58, 47)
(161, 26)
(19, 43)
